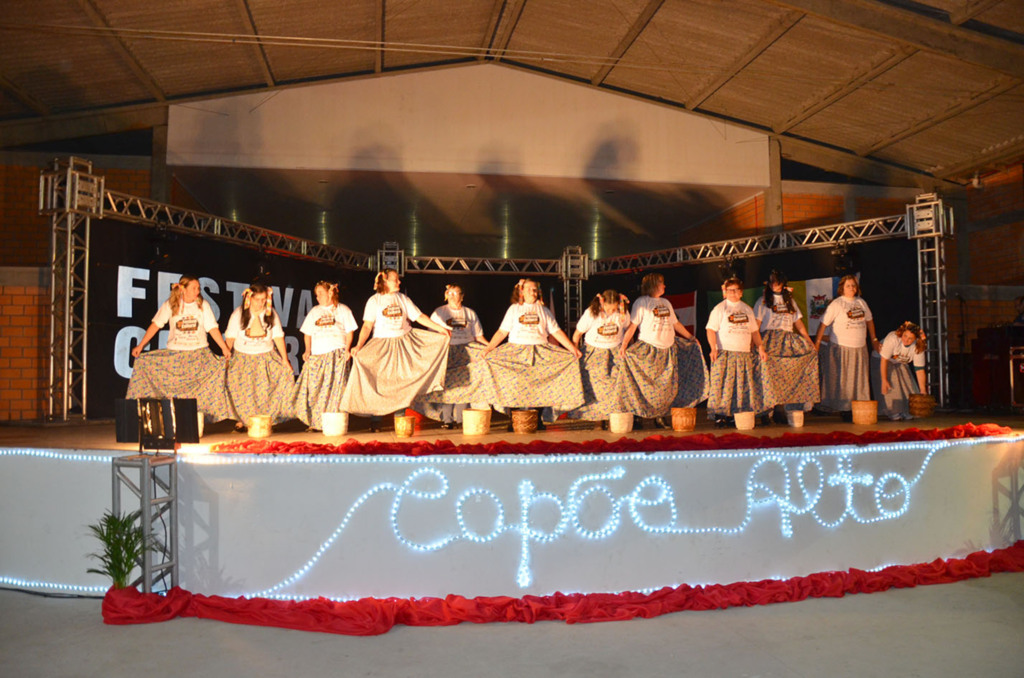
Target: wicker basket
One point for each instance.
(684, 418)
(865, 412)
(476, 422)
(744, 420)
(524, 421)
(404, 425)
(260, 426)
(620, 422)
(335, 424)
(922, 405)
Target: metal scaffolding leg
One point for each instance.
(575, 269)
(70, 194)
(155, 488)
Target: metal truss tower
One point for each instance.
(154, 489)
(71, 195)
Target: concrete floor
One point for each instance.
(971, 628)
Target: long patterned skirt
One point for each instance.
(259, 384)
(791, 372)
(656, 379)
(844, 377)
(320, 387)
(526, 375)
(183, 374)
(388, 374)
(903, 382)
(601, 373)
(737, 384)
(459, 387)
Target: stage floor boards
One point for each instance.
(99, 435)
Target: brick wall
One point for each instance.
(873, 208)
(805, 210)
(999, 193)
(24, 341)
(739, 220)
(24, 232)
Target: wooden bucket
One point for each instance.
(524, 421)
(684, 418)
(922, 405)
(865, 412)
(404, 425)
(744, 420)
(795, 418)
(620, 422)
(260, 426)
(476, 422)
(335, 424)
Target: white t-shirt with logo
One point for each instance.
(603, 330)
(391, 314)
(327, 326)
(656, 321)
(258, 337)
(463, 322)
(894, 350)
(188, 327)
(529, 324)
(848, 319)
(778, 316)
(733, 324)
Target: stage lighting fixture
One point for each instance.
(156, 424)
(842, 260)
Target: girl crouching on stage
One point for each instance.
(601, 327)
(260, 378)
(186, 368)
(528, 372)
(845, 375)
(736, 376)
(791, 371)
(467, 342)
(397, 364)
(661, 370)
(327, 334)
(901, 370)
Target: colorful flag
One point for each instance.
(685, 306)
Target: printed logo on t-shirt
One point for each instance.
(325, 321)
(738, 318)
(855, 313)
(392, 311)
(456, 323)
(529, 319)
(781, 307)
(255, 331)
(608, 330)
(661, 312)
(187, 324)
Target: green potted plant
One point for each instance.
(123, 546)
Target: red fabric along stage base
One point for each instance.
(655, 443)
(371, 616)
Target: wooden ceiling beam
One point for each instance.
(378, 56)
(258, 51)
(72, 126)
(971, 9)
(775, 30)
(924, 32)
(511, 11)
(1010, 151)
(119, 45)
(628, 39)
(23, 97)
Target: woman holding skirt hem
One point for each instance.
(602, 327)
(737, 379)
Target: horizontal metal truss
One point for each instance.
(809, 238)
(482, 265)
(124, 207)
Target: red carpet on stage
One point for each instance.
(654, 443)
(371, 616)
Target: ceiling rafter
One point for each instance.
(822, 100)
(971, 9)
(492, 27)
(115, 40)
(956, 107)
(261, 54)
(775, 30)
(628, 39)
(24, 97)
(72, 125)
(378, 54)
(923, 32)
(845, 162)
(1010, 151)
(511, 11)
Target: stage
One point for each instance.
(567, 510)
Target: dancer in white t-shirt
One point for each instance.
(327, 336)
(260, 378)
(398, 363)
(736, 374)
(900, 371)
(186, 368)
(846, 375)
(665, 368)
(602, 328)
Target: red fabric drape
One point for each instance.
(371, 616)
(655, 443)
